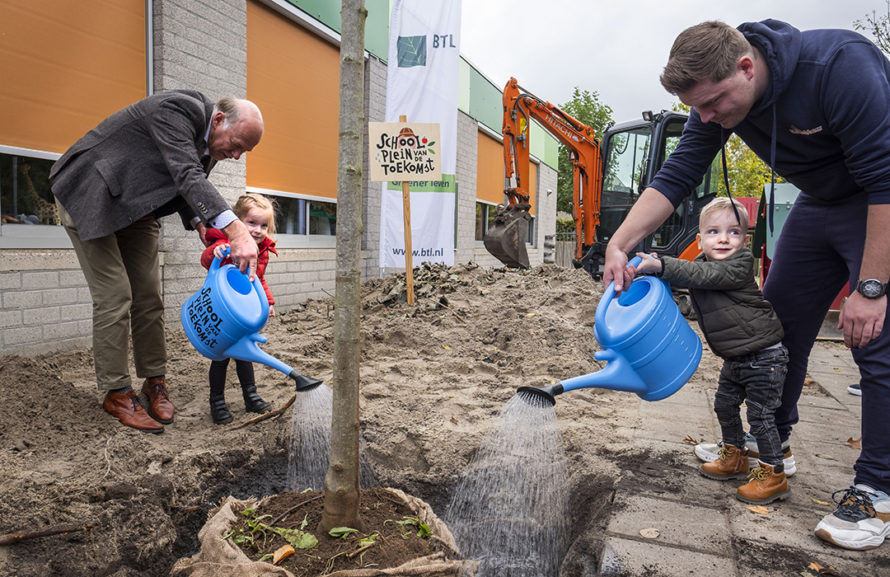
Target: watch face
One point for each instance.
(870, 288)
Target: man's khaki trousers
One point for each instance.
(123, 273)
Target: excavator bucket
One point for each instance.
(505, 239)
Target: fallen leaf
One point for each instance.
(808, 381)
(690, 440)
(282, 553)
(446, 347)
(453, 420)
(759, 509)
(824, 503)
(649, 533)
(855, 443)
(815, 566)
(530, 315)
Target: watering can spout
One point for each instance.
(246, 349)
(618, 375)
(649, 348)
(540, 396)
(304, 383)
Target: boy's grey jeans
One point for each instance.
(756, 379)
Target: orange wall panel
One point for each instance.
(293, 76)
(65, 66)
(490, 172)
(532, 186)
(489, 169)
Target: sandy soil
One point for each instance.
(434, 376)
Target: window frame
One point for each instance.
(300, 240)
(30, 236)
(480, 242)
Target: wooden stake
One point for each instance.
(19, 536)
(406, 211)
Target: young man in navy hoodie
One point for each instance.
(815, 105)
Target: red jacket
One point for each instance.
(217, 238)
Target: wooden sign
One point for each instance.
(401, 151)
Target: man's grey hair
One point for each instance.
(228, 105)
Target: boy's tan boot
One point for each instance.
(765, 486)
(731, 463)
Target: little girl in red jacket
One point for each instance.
(258, 213)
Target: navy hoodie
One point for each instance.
(826, 109)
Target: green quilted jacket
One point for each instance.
(732, 312)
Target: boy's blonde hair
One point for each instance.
(253, 200)
(723, 203)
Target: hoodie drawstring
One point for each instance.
(772, 168)
(772, 164)
(738, 219)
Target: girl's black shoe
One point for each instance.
(219, 410)
(253, 403)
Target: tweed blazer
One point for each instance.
(144, 159)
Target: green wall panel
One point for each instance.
(376, 26)
(486, 101)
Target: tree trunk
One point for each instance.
(341, 483)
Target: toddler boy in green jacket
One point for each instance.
(741, 327)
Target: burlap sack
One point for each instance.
(220, 558)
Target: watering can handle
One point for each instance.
(609, 294)
(217, 261)
(257, 283)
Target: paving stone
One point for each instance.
(703, 529)
(643, 558)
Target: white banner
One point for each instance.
(422, 85)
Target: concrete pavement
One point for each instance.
(702, 529)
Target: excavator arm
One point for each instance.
(506, 238)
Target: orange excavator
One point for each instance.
(506, 239)
(608, 177)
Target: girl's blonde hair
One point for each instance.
(253, 200)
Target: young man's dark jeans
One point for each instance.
(756, 379)
(819, 250)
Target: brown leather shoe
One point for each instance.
(159, 406)
(765, 486)
(731, 463)
(129, 411)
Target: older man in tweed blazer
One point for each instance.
(146, 161)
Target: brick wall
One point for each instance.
(199, 46)
(45, 303)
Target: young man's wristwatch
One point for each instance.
(871, 288)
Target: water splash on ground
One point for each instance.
(510, 508)
(310, 439)
(310, 442)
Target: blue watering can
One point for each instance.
(649, 347)
(224, 317)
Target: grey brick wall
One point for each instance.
(199, 46)
(465, 168)
(45, 305)
(375, 103)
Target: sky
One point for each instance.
(616, 48)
